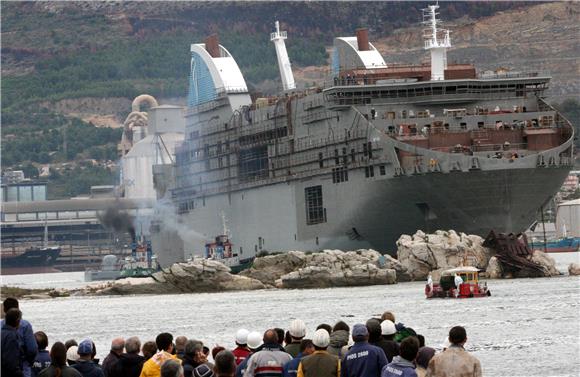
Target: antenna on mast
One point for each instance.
(283, 61)
(436, 40)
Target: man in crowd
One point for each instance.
(117, 346)
(225, 364)
(269, 360)
(26, 338)
(152, 367)
(402, 366)
(85, 364)
(320, 363)
(455, 360)
(129, 363)
(254, 343)
(11, 351)
(297, 332)
(171, 368)
(42, 359)
(290, 369)
(180, 346)
(241, 351)
(388, 345)
(363, 359)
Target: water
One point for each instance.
(527, 327)
(68, 280)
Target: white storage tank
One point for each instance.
(568, 219)
(165, 130)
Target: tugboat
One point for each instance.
(448, 284)
(221, 250)
(142, 263)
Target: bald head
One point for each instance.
(117, 345)
(270, 336)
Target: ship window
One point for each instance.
(27, 216)
(365, 150)
(315, 213)
(480, 124)
(336, 159)
(369, 171)
(220, 162)
(382, 170)
(370, 149)
(353, 154)
(219, 147)
(463, 125)
(320, 160)
(253, 163)
(339, 174)
(344, 156)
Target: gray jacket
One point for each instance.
(268, 361)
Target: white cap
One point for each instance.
(72, 354)
(321, 338)
(254, 340)
(242, 336)
(388, 327)
(297, 328)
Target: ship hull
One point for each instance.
(363, 213)
(35, 260)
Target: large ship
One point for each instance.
(31, 260)
(380, 150)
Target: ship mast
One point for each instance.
(436, 40)
(283, 61)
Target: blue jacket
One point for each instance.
(88, 368)
(241, 369)
(363, 360)
(28, 344)
(290, 369)
(41, 361)
(11, 352)
(399, 367)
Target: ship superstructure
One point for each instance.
(379, 151)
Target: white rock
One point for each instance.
(574, 269)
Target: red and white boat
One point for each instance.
(447, 287)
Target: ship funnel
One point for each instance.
(437, 41)
(283, 61)
(362, 39)
(212, 46)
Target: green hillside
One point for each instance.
(68, 50)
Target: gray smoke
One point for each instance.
(118, 221)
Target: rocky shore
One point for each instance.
(417, 256)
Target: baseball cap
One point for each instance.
(359, 330)
(85, 347)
